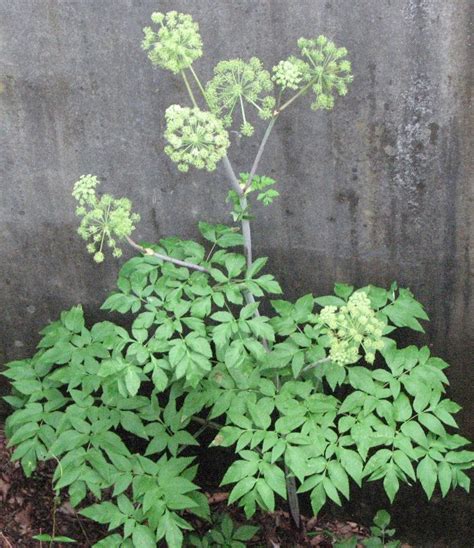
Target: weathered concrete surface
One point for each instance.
(377, 190)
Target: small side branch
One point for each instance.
(315, 364)
(190, 91)
(167, 258)
(261, 148)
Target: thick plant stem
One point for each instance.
(167, 258)
(246, 232)
(204, 422)
(315, 364)
(292, 496)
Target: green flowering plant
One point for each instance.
(177, 43)
(105, 220)
(196, 138)
(352, 326)
(311, 398)
(322, 68)
(235, 83)
(328, 72)
(290, 73)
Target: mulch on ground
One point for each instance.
(28, 507)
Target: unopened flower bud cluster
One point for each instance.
(104, 221)
(196, 138)
(291, 73)
(237, 83)
(352, 326)
(176, 44)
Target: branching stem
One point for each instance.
(261, 148)
(300, 92)
(206, 423)
(246, 232)
(315, 364)
(167, 258)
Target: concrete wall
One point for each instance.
(376, 190)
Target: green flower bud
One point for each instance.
(324, 66)
(247, 129)
(291, 73)
(99, 257)
(352, 326)
(104, 220)
(195, 138)
(176, 44)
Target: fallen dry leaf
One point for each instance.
(215, 498)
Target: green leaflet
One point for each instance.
(317, 392)
(87, 392)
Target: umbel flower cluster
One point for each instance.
(352, 326)
(235, 83)
(196, 138)
(176, 44)
(323, 69)
(328, 72)
(105, 220)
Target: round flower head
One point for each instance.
(327, 72)
(237, 82)
(352, 326)
(176, 44)
(196, 138)
(291, 73)
(104, 219)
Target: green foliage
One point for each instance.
(265, 195)
(235, 83)
(51, 539)
(224, 533)
(195, 353)
(104, 220)
(196, 138)
(176, 45)
(380, 535)
(319, 392)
